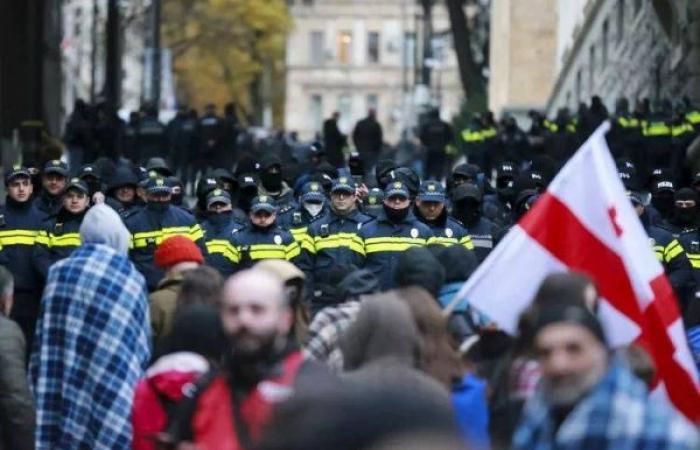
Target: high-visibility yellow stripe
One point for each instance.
(394, 240)
(472, 136)
(693, 117)
(389, 247)
(278, 253)
(64, 240)
(672, 250)
(17, 240)
(488, 133)
(656, 129)
(19, 232)
(302, 237)
(292, 251)
(225, 248)
(338, 240)
(467, 243)
(439, 240)
(43, 238)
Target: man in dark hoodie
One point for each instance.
(273, 184)
(121, 193)
(467, 203)
(684, 218)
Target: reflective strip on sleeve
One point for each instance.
(224, 248)
(391, 244)
(340, 240)
(65, 240)
(672, 250)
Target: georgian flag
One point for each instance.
(585, 222)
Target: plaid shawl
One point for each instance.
(91, 347)
(617, 414)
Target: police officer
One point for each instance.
(436, 135)
(154, 223)
(669, 251)
(20, 223)
(219, 226)
(430, 209)
(61, 233)
(466, 207)
(151, 136)
(372, 204)
(272, 184)
(335, 237)
(684, 218)
(121, 192)
(211, 133)
(262, 238)
(313, 206)
(498, 207)
(53, 181)
(91, 177)
(394, 231)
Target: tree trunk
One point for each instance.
(469, 72)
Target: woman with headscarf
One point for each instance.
(92, 342)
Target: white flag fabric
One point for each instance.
(585, 222)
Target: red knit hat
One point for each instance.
(177, 249)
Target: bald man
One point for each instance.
(262, 367)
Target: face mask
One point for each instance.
(396, 215)
(467, 212)
(158, 207)
(272, 181)
(313, 209)
(685, 216)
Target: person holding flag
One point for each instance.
(585, 222)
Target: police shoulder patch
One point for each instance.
(448, 232)
(414, 232)
(277, 239)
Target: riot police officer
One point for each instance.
(430, 209)
(219, 226)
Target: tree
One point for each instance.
(471, 47)
(221, 48)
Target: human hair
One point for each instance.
(7, 283)
(200, 286)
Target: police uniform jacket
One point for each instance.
(297, 222)
(149, 228)
(448, 231)
(48, 204)
(59, 237)
(218, 230)
(335, 241)
(482, 235)
(677, 264)
(384, 240)
(253, 244)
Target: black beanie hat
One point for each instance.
(569, 313)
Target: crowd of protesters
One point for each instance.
(306, 298)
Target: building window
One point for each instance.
(591, 68)
(409, 49)
(620, 19)
(373, 47)
(372, 102)
(604, 43)
(316, 111)
(316, 46)
(345, 47)
(345, 110)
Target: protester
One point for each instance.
(191, 349)
(175, 255)
(200, 286)
(16, 404)
(92, 342)
(256, 320)
(581, 383)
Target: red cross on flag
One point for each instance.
(585, 222)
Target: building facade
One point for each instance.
(352, 55)
(522, 57)
(628, 48)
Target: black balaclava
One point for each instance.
(685, 217)
(663, 201)
(158, 207)
(271, 181)
(505, 189)
(467, 211)
(246, 196)
(396, 215)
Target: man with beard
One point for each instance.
(229, 409)
(466, 207)
(393, 232)
(153, 224)
(589, 398)
(430, 209)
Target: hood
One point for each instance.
(171, 372)
(417, 266)
(459, 263)
(102, 225)
(384, 331)
(123, 176)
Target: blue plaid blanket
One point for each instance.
(617, 414)
(92, 345)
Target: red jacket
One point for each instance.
(213, 421)
(164, 380)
